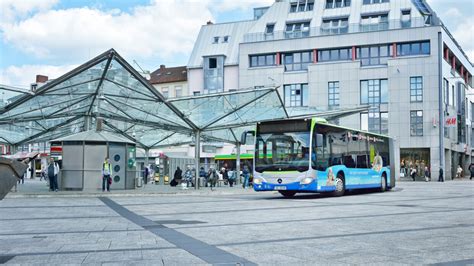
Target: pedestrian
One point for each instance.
(106, 172)
(246, 174)
(427, 174)
(471, 169)
(146, 174)
(225, 175)
(213, 176)
(42, 173)
(176, 177)
(413, 173)
(189, 176)
(52, 171)
(459, 172)
(203, 175)
(231, 176)
(441, 178)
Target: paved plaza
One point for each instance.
(416, 223)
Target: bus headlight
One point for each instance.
(306, 180)
(257, 181)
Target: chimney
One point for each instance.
(41, 79)
(162, 67)
(209, 22)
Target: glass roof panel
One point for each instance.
(236, 107)
(10, 94)
(120, 76)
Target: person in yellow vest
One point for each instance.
(106, 172)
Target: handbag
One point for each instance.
(110, 180)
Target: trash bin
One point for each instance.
(201, 182)
(138, 182)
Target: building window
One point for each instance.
(302, 6)
(212, 62)
(178, 91)
(416, 123)
(413, 48)
(225, 39)
(374, 22)
(333, 93)
(405, 20)
(369, 2)
(335, 54)
(337, 3)
(297, 30)
(373, 91)
(374, 121)
(215, 39)
(196, 93)
(296, 95)
(270, 28)
(416, 89)
(374, 55)
(297, 61)
(262, 60)
(165, 92)
(213, 74)
(335, 26)
(446, 92)
(453, 97)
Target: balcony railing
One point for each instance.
(319, 31)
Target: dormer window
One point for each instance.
(297, 30)
(301, 6)
(369, 2)
(215, 39)
(225, 39)
(374, 22)
(335, 26)
(405, 19)
(337, 3)
(270, 28)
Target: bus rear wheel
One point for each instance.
(340, 186)
(287, 194)
(383, 183)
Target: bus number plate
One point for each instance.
(279, 188)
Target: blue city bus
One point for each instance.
(311, 155)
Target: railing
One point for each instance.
(320, 31)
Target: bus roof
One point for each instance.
(318, 121)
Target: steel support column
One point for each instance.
(440, 104)
(237, 162)
(197, 155)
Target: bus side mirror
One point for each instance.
(319, 140)
(243, 138)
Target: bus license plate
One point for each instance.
(279, 188)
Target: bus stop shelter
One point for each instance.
(109, 93)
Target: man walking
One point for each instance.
(106, 172)
(52, 171)
(440, 179)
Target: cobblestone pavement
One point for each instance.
(416, 223)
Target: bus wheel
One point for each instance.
(383, 182)
(287, 194)
(340, 187)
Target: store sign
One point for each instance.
(450, 121)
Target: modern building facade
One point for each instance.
(395, 56)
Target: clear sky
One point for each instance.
(53, 36)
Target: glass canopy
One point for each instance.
(107, 87)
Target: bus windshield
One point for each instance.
(282, 152)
